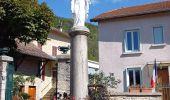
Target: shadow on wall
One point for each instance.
(31, 66)
(157, 47)
(131, 55)
(146, 75)
(125, 81)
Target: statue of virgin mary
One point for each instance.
(80, 10)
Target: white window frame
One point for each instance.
(162, 35)
(127, 75)
(126, 44)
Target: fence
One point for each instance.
(165, 90)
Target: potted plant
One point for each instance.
(134, 89)
(25, 96)
(145, 89)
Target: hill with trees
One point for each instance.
(92, 38)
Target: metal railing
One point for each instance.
(165, 90)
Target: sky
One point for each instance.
(62, 8)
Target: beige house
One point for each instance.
(40, 61)
(130, 39)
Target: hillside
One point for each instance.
(92, 38)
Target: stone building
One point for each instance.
(41, 62)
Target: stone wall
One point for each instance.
(135, 96)
(63, 75)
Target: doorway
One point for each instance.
(32, 92)
(163, 77)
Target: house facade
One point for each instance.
(130, 39)
(40, 61)
(49, 66)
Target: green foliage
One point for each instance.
(19, 81)
(66, 23)
(31, 79)
(92, 42)
(92, 38)
(25, 20)
(99, 83)
(25, 96)
(101, 79)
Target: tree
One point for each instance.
(24, 20)
(98, 85)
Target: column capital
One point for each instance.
(4, 58)
(79, 31)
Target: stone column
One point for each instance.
(79, 67)
(3, 73)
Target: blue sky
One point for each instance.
(62, 7)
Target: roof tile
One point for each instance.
(134, 10)
(32, 50)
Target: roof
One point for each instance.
(61, 57)
(91, 61)
(93, 64)
(57, 32)
(32, 50)
(134, 11)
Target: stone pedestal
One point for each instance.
(3, 73)
(79, 67)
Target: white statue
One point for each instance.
(80, 9)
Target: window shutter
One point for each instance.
(43, 72)
(54, 51)
(127, 77)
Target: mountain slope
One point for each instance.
(92, 38)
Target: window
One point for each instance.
(134, 76)
(54, 51)
(43, 71)
(132, 43)
(158, 35)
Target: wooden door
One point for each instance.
(163, 80)
(163, 77)
(32, 92)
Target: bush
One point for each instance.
(25, 96)
(98, 85)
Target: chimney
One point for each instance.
(60, 26)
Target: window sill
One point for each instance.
(131, 53)
(158, 45)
